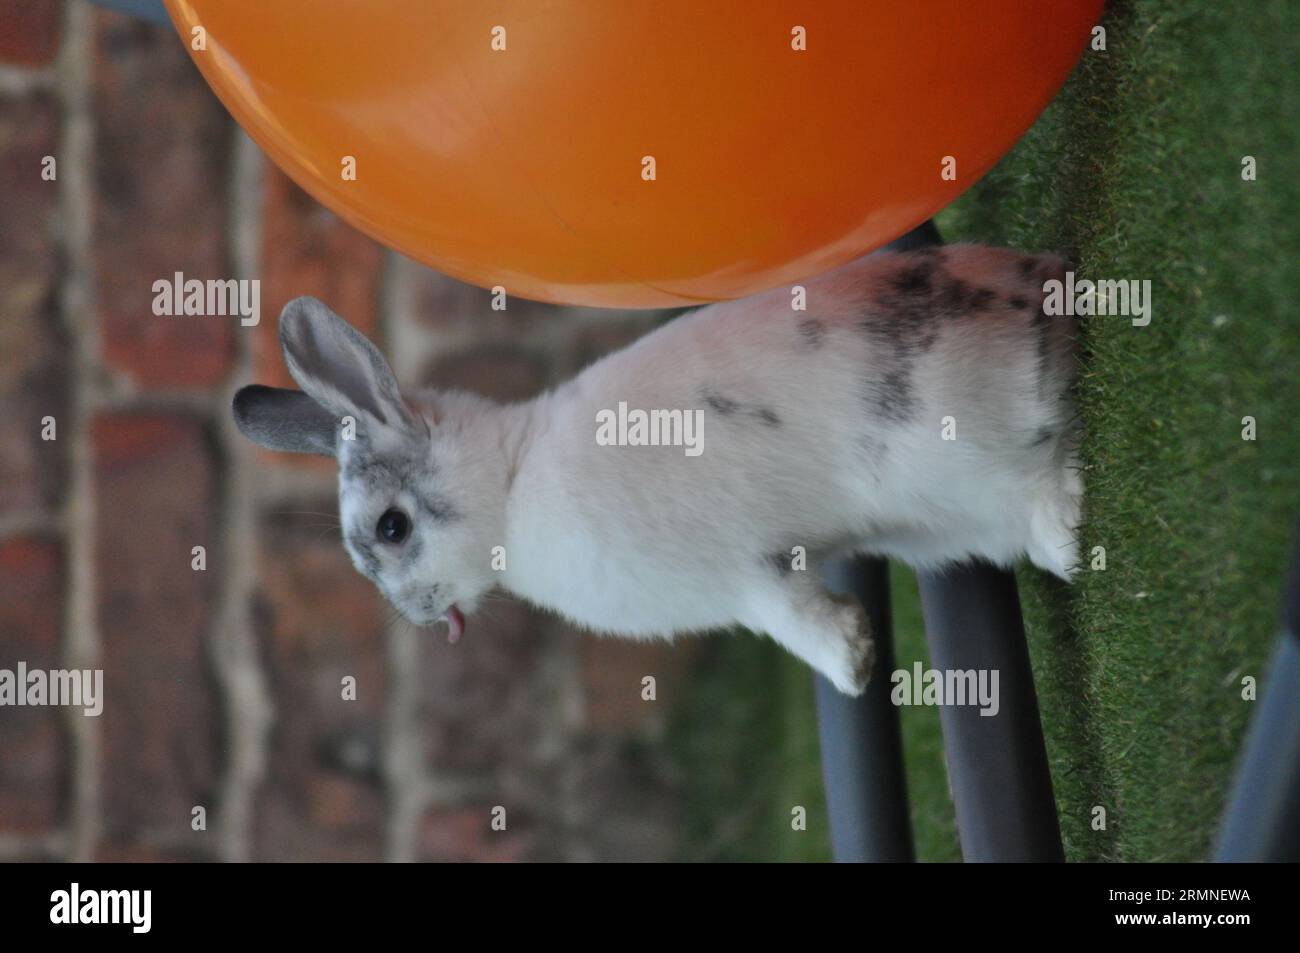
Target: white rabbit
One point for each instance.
(918, 408)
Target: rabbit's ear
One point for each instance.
(335, 364)
(284, 420)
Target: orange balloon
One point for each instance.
(635, 153)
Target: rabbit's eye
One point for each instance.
(393, 526)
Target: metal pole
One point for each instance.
(997, 765)
(861, 742)
(1262, 822)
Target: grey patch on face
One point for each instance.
(437, 507)
(783, 563)
(411, 551)
(396, 473)
(812, 334)
(365, 551)
(397, 470)
(768, 416)
(369, 471)
(430, 600)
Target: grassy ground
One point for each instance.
(1134, 172)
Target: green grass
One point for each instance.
(1134, 172)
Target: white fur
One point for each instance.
(648, 541)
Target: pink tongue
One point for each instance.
(455, 624)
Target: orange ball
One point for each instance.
(635, 153)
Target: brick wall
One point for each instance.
(223, 685)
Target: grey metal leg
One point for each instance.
(1262, 823)
(861, 744)
(927, 233)
(997, 765)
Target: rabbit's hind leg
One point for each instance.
(1054, 522)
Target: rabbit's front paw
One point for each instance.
(853, 631)
(831, 633)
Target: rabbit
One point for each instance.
(917, 407)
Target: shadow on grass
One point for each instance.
(1060, 660)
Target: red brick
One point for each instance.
(136, 854)
(629, 810)
(161, 163)
(479, 707)
(445, 303)
(307, 250)
(465, 835)
(32, 355)
(612, 670)
(32, 744)
(321, 621)
(155, 489)
(29, 130)
(30, 34)
(498, 371)
(596, 340)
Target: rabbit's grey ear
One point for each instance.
(284, 420)
(335, 364)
